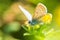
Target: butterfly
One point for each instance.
(40, 15)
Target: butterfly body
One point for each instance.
(33, 22)
(40, 15)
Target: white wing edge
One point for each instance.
(43, 6)
(26, 13)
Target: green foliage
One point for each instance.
(50, 4)
(4, 5)
(12, 27)
(34, 33)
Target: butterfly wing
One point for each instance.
(26, 13)
(40, 11)
(46, 18)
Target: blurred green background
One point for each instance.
(10, 6)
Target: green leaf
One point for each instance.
(25, 34)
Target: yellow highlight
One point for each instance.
(57, 15)
(36, 26)
(47, 18)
